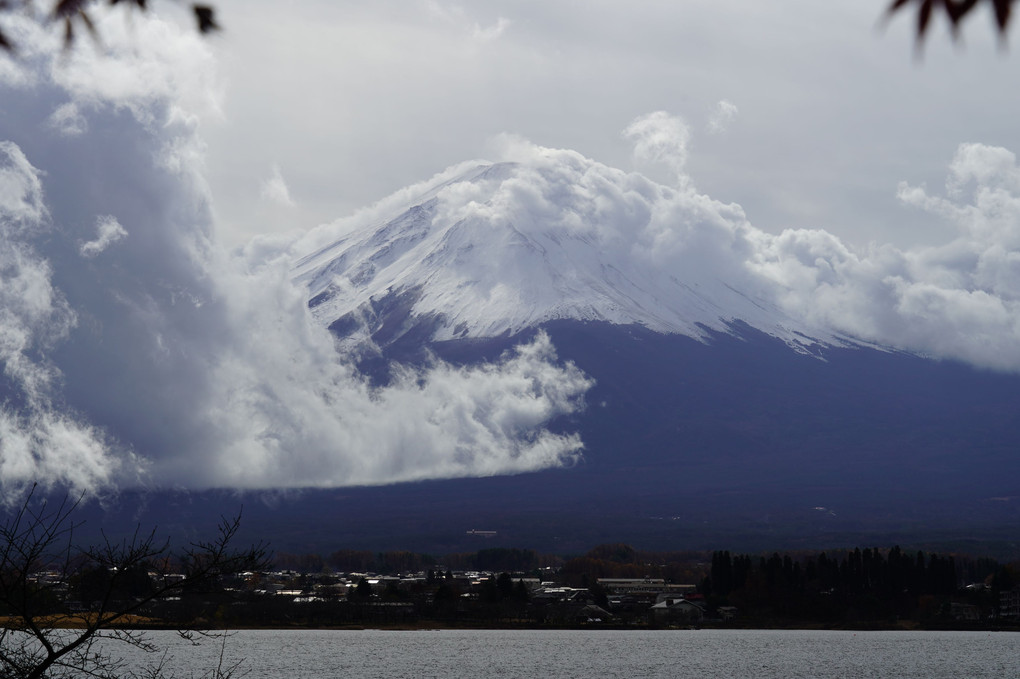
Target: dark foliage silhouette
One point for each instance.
(42, 635)
(955, 11)
(72, 16)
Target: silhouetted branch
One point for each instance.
(39, 637)
(955, 11)
(70, 14)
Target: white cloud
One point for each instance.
(661, 139)
(292, 414)
(993, 214)
(40, 439)
(108, 232)
(21, 194)
(143, 62)
(68, 120)
(724, 113)
(32, 41)
(168, 361)
(959, 300)
(491, 32)
(457, 17)
(274, 189)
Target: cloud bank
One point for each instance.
(138, 352)
(957, 300)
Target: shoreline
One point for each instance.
(429, 625)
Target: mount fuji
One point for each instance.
(497, 249)
(724, 409)
(716, 417)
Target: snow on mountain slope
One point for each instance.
(491, 249)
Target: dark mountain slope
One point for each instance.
(738, 443)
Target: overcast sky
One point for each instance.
(154, 190)
(825, 113)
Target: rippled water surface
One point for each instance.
(473, 654)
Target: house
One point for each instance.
(727, 612)
(566, 605)
(676, 610)
(637, 586)
(1009, 603)
(960, 611)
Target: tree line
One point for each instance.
(495, 559)
(856, 585)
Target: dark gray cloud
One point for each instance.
(138, 351)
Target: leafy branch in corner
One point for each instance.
(71, 15)
(955, 10)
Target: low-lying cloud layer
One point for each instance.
(137, 351)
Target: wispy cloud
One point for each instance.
(274, 189)
(661, 138)
(40, 439)
(724, 113)
(108, 231)
(457, 16)
(68, 120)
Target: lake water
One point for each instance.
(563, 654)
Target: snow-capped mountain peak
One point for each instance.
(492, 249)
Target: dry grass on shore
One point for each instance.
(78, 621)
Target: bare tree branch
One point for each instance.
(37, 555)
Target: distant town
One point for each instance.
(611, 586)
